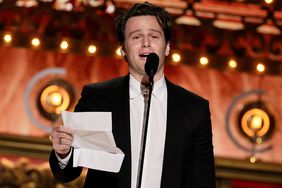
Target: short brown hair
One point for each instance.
(144, 9)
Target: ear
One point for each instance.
(122, 51)
(167, 48)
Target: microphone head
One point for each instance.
(151, 65)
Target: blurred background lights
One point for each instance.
(260, 67)
(204, 60)
(268, 1)
(110, 7)
(64, 45)
(258, 140)
(176, 57)
(253, 159)
(7, 38)
(118, 51)
(232, 64)
(92, 49)
(256, 122)
(35, 42)
(55, 99)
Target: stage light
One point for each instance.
(204, 61)
(228, 22)
(268, 28)
(176, 58)
(118, 52)
(260, 67)
(188, 20)
(268, 1)
(188, 16)
(64, 45)
(232, 64)
(110, 7)
(8, 38)
(259, 140)
(256, 121)
(35, 42)
(92, 49)
(253, 159)
(269, 25)
(56, 96)
(26, 3)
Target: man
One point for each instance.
(179, 150)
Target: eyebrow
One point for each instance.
(138, 30)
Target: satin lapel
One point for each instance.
(121, 129)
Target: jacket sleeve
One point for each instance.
(66, 174)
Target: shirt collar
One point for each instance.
(159, 89)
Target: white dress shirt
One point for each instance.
(154, 152)
(153, 159)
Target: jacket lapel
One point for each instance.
(172, 152)
(121, 128)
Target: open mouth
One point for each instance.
(143, 55)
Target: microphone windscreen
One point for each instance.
(151, 65)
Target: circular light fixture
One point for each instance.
(204, 61)
(35, 42)
(92, 49)
(176, 57)
(56, 96)
(268, 1)
(64, 45)
(260, 67)
(232, 64)
(256, 122)
(7, 38)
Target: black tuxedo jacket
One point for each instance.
(188, 156)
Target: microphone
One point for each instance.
(151, 65)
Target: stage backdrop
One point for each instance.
(19, 66)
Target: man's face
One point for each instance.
(144, 35)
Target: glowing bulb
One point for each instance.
(92, 49)
(176, 57)
(7, 38)
(260, 67)
(256, 122)
(253, 159)
(259, 140)
(110, 7)
(268, 1)
(55, 99)
(232, 64)
(204, 61)
(35, 42)
(64, 45)
(118, 51)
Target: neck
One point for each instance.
(145, 78)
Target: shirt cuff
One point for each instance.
(63, 162)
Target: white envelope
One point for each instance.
(94, 144)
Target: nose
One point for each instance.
(146, 41)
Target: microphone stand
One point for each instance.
(144, 133)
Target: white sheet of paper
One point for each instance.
(94, 144)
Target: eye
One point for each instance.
(155, 35)
(136, 37)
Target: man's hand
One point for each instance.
(62, 139)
